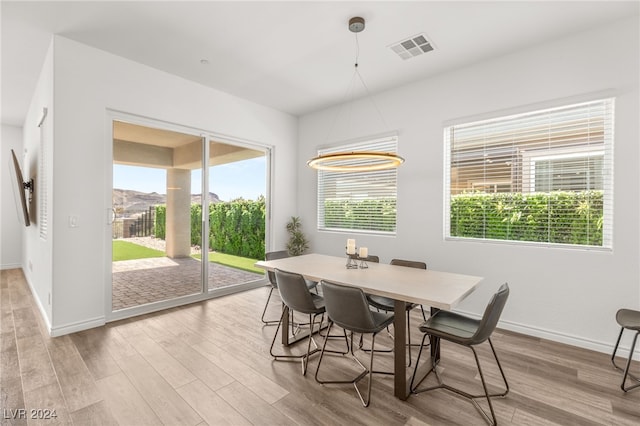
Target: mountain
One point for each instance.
(129, 201)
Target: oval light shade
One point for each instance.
(355, 161)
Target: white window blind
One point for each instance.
(543, 176)
(43, 217)
(358, 201)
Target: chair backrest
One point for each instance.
(347, 307)
(294, 292)
(491, 315)
(273, 255)
(409, 263)
(372, 258)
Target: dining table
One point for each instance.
(427, 287)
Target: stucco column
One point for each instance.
(178, 225)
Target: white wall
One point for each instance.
(11, 230)
(562, 294)
(89, 82)
(37, 253)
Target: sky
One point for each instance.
(246, 179)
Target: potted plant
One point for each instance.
(298, 243)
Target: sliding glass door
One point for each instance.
(153, 245)
(189, 217)
(237, 214)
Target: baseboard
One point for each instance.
(34, 294)
(603, 347)
(67, 328)
(11, 266)
(77, 326)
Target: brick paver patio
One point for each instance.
(141, 281)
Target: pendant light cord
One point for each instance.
(366, 88)
(357, 51)
(350, 88)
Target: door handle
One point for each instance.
(111, 216)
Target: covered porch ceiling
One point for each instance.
(137, 145)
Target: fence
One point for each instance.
(140, 226)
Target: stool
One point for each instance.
(630, 320)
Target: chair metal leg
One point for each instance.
(626, 374)
(295, 326)
(413, 388)
(332, 336)
(615, 348)
(409, 344)
(266, 305)
(275, 335)
(303, 357)
(355, 384)
(365, 371)
(490, 419)
(361, 345)
(275, 322)
(504, 378)
(305, 360)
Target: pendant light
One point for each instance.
(356, 161)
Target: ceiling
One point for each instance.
(296, 57)
(137, 145)
(136, 133)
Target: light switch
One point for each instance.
(73, 221)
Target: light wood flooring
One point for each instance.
(209, 363)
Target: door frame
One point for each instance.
(115, 115)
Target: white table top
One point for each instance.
(443, 290)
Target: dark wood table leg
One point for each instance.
(285, 326)
(400, 388)
(435, 347)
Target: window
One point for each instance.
(574, 170)
(358, 201)
(543, 176)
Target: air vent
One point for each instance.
(412, 46)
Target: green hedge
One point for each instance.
(236, 228)
(556, 217)
(159, 226)
(349, 214)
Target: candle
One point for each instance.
(351, 246)
(364, 252)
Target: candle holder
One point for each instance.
(363, 262)
(352, 261)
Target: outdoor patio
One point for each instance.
(141, 281)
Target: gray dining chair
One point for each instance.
(468, 332)
(274, 255)
(628, 319)
(372, 258)
(295, 296)
(348, 308)
(386, 304)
